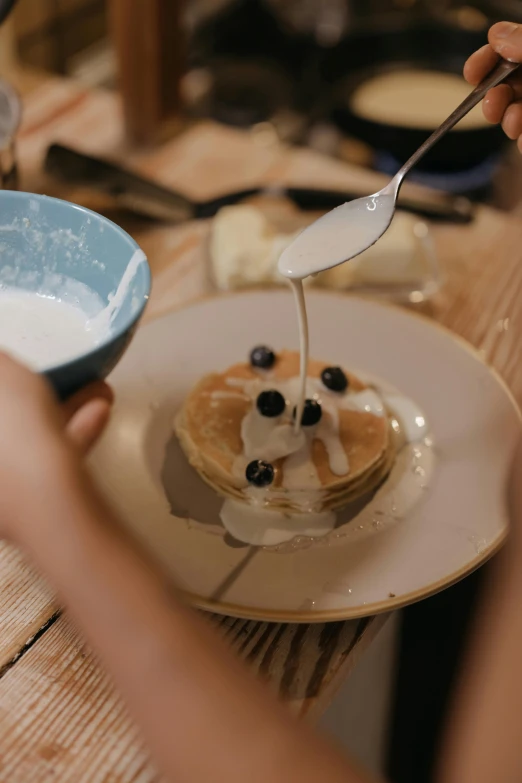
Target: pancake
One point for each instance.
(414, 98)
(346, 455)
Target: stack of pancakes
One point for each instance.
(209, 430)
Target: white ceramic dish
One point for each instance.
(458, 523)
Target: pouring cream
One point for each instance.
(337, 237)
(282, 416)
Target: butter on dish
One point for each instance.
(245, 247)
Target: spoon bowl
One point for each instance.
(340, 235)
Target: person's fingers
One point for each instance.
(88, 423)
(515, 82)
(505, 39)
(480, 64)
(98, 390)
(512, 122)
(496, 103)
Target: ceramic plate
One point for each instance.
(389, 555)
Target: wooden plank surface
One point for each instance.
(60, 719)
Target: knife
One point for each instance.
(146, 197)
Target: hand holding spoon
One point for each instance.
(352, 228)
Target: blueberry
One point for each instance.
(262, 357)
(334, 379)
(259, 473)
(271, 404)
(312, 413)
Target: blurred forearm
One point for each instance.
(484, 741)
(202, 714)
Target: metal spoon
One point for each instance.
(354, 227)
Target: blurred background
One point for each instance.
(287, 66)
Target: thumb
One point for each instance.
(506, 39)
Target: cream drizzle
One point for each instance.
(340, 235)
(304, 346)
(271, 439)
(255, 522)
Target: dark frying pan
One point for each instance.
(426, 45)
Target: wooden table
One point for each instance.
(60, 719)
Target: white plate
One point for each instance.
(458, 523)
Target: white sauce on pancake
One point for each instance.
(338, 236)
(251, 521)
(271, 439)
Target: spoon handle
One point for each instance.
(497, 76)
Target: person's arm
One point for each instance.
(484, 737)
(203, 715)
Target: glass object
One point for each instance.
(10, 115)
(414, 282)
(246, 241)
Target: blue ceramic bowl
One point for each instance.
(45, 244)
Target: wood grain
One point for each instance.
(60, 719)
(26, 603)
(148, 37)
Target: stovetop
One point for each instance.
(277, 75)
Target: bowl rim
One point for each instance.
(133, 246)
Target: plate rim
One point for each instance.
(304, 616)
(342, 615)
